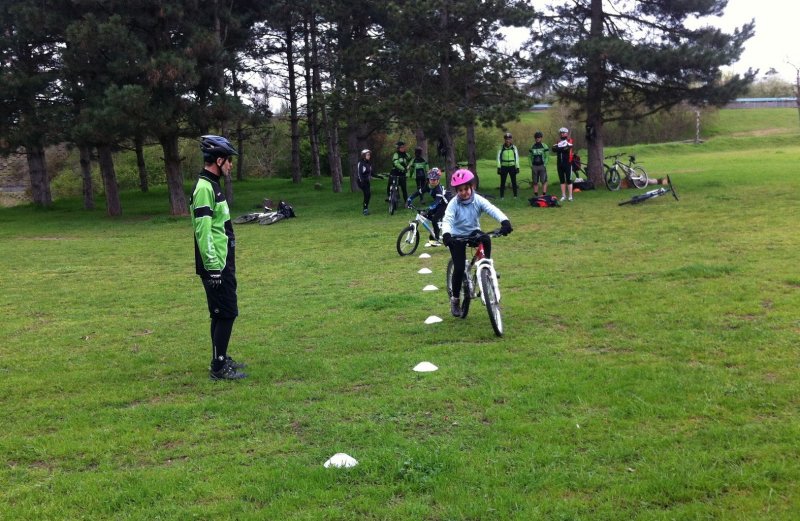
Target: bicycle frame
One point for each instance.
(474, 268)
(421, 219)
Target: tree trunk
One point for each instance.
(472, 153)
(353, 154)
(172, 165)
(450, 157)
(37, 170)
(311, 104)
(334, 158)
(293, 117)
(109, 176)
(594, 103)
(240, 160)
(86, 176)
(422, 142)
(138, 143)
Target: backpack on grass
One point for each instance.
(544, 201)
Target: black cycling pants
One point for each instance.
(458, 252)
(564, 174)
(505, 171)
(367, 190)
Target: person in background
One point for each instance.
(436, 209)
(462, 219)
(539, 155)
(364, 178)
(419, 166)
(215, 252)
(563, 151)
(508, 163)
(401, 163)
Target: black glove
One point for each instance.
(447, 239)
(215, 279)
(505, 227)
(498, 170)
(516, 170)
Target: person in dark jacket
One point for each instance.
(364, 177)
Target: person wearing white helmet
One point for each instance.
(563, 150)
(462, 219)
(364, 177)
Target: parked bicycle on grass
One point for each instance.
(636, 174)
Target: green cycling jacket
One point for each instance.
(214, 240)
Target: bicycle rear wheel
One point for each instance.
(466, 294)
(492, 304)
(392, 201)
(611, 176)
(407, 241)
(639, 178)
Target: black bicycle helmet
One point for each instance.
(538, 134)
(216, 146)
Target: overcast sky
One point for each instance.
(776, 35)
(776, 39)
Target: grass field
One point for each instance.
(649, 369)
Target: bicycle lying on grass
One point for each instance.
(633, 172)
(658, 192)
(480, 280)
(408, 240)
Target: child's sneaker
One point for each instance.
(455, 307)
(563, 198)
(570, 198)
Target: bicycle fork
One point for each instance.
(487, 265)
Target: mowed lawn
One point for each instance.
(649, 368)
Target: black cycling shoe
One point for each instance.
(226, 373)
(233, 363)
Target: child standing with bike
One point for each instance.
(462, 219)
(436, 209)
(364, 178)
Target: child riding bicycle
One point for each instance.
(462, 219)
(436, 209)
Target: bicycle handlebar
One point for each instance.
(472, 239)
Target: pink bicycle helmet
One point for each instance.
(461, 177)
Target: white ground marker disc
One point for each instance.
(430, 287)
(425, 367)
(340, 460)
(433, 319)
(424, 271)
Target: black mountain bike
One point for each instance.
(394, 193)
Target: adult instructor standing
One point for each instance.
(214, 252)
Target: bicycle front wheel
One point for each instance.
(407, 241)
(639, 177)
(246, 218)
(492, 304)
(449, 278)
(611, 176)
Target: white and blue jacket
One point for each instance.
(462, 219)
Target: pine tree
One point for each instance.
(621, 60)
